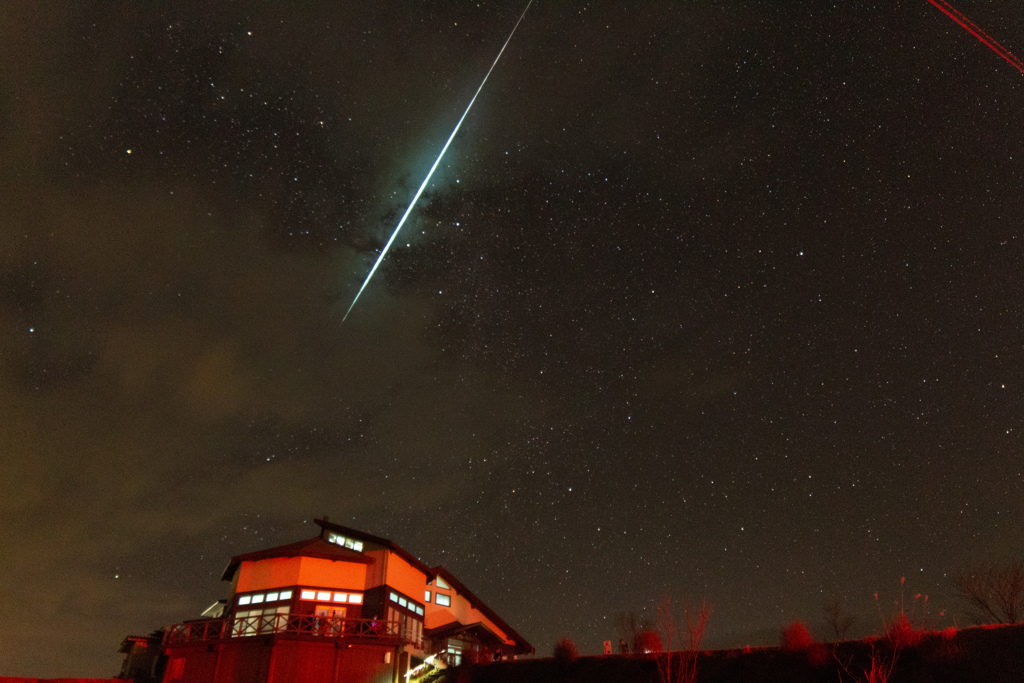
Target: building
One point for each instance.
(342, 606)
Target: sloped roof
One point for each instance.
(522, 646)
(313, 547)
(376, 540)
(454, 628)
(318, 547)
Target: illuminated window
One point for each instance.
(286, 595)
(394, 597)
(427, 597)
(355, 598)
(442, 599)
(403, 602)
(441, 583)
(419, 610)
(308, 595)
(350, 543)
(271, 597)
(323, 595)
(256, 599)
(245, 600)
(341, 597)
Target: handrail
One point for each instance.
(310, 625)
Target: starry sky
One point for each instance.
(710, 299)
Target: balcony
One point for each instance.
(213, 630)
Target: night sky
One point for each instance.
(716, 299)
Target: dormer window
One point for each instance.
(344, 541)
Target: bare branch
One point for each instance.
(837, 618)
(997, 593)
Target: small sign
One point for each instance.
(607, 647)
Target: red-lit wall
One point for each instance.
(275, 660)
(460, 611)
(404, 577)
(280, 572)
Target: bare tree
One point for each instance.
(838, 619)
(997, 593)
(685, 670)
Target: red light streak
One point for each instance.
(978, 33)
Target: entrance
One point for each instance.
(331, 619)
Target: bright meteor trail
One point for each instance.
(426, 180)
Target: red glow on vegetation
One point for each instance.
(971, 27)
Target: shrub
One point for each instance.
(900, 632)
(565, 651)
(796, 637)
(648, 641)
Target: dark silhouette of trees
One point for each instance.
(627, 627)
(995, 592)
(837, 618)
(648, 641)
(565, 652)
(796, 637)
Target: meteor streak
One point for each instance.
(973, 29)
(426, 180)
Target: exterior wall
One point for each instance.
(263, 660)
(375, 572)
(279, 572)
(405, 578)
(375, 602)
(459, 611)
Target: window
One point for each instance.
(323, 595)
(308, 595)
(341, 597)
(257, 598)
(419, 610)
(393, 596)
(442, 599)
(255, 621)
(426, 597)
(403, 602)
(441, 583)
(355, 598)
(345, 542)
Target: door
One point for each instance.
(331, 619)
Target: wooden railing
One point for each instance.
(325, 627)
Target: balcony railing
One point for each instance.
(307, 625)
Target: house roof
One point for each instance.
(318, 547)
(454, 628)
(312, 547)
(522, 646)
(376, 540)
